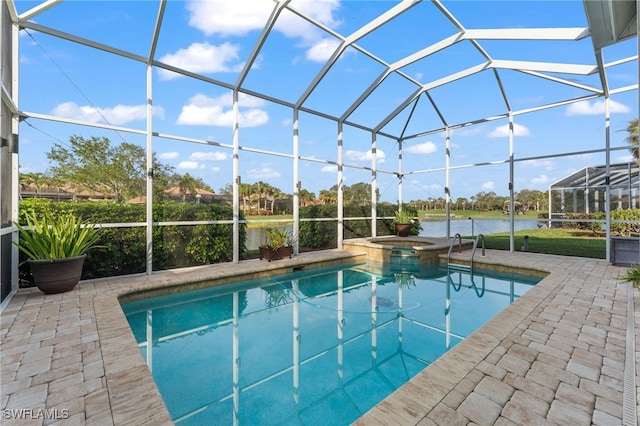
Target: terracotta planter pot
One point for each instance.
(403, 229)
(57, 276)
(279, 253)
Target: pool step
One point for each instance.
(459, 267)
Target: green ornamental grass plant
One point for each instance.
(402, 217)
(48, 238)
(632, 275)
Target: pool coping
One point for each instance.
(87, 339)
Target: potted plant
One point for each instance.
(403, 222)
(56, 249)
(632, 276)
(279, 244)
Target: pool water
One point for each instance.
(320, 346)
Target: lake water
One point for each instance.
(436, 228)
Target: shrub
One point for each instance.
(174, 246)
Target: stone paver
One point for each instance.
(555, 356)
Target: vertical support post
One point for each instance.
(374, 177)
(400, 200)
(511, 186)
(340, 200)
(236, 179)
(607, 186)
(15, 152)
(447, 179)
(296, 180)
(149, 209)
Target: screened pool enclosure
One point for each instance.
(414, 99)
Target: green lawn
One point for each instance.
(565, 242)
(269, 220)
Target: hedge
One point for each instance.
(324, 235)
(622, 229)
(174, 246)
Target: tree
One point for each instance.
(245, 191)
(273, 195)
(328, 196)
(227, 190)
(632, 138)
(357, 194)
(36, 179)
(187, 185)
(306, 197)
(94, 164)
(461, 203)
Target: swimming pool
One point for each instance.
(319, 346)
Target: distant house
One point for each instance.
(62, 193)
(200, 196)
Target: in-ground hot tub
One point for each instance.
(382, 249)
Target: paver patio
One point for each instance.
(557, 355)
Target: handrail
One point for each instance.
(453, 242)
(479, 238)
(479, 292)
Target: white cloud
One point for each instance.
(227, 18)
(208, 156)
(540, 164)
(471, 130)
(623, 158)
(503, 131)
(423, 148)
(119, 114)
(168, 155)
(580, 157)
(322, 50)
(215, 169)
(263, 173)
(595, 108)
(365, 156)
(331, 168)
(203, 58)
(541, 180)
(237, 18)
(205, 111)
(190, 165)
(489, 185)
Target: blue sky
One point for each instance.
(215, 39)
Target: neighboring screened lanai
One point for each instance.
(410, 99)
(585, 190)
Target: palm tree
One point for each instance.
(261, 188)
(188, 185)
(245, 191)
(328, 196)
(36, 179)
(632, 138)
(274, 194)
(306, 197)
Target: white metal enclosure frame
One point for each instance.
(608, 23)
